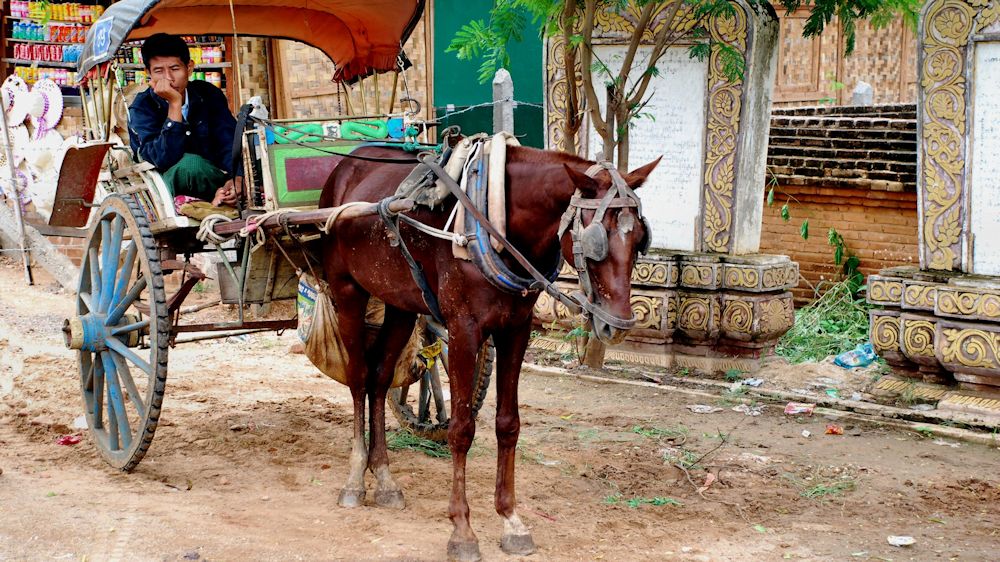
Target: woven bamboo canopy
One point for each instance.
(360, 36)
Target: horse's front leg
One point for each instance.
(351, 303)
(510, 347)
(392, 338)
(464, 342)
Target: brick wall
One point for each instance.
(880, 227)
(849, 168)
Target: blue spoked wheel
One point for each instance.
(424, 407)
(121, 332)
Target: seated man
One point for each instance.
(183, 127)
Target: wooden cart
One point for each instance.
(127, 315)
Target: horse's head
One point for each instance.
(602, 233)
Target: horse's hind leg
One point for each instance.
(392, 338)
(510, 347)
(351, 303)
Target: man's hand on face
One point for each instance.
(225, 195)
(163, 89)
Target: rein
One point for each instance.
(541, 283)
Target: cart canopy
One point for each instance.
(360, 36)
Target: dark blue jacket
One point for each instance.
(208, 131)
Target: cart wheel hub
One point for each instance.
(89, 332)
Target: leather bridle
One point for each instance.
(590, 242)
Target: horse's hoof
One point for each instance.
(351, 498)
(463, 552)
(517, 545)
(389, 498)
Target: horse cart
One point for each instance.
(137, 267)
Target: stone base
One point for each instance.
(704, 311)
(943, 324)
(660, 356)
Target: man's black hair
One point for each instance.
(164, 45)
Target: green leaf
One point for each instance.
(760, 528)
(770, 196)
(785, 215)
(575, 40)
(700, 51)
(804, 230)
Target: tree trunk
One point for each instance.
(594, 355)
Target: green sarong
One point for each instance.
(194, 176)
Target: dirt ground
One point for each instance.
(253, 444)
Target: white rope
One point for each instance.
(206, 230)
(335, 214)
(452, 237)
(252, 226)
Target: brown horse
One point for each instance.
(360, 262)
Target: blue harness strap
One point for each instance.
(481, 250)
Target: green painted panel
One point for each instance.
(283, 159)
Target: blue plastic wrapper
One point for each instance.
(860, 356)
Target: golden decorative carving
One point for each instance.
(737, 316)
(947, 29)
(919, 296)
(697, 275)
(780, 276)
(543, 307)
(776, 316)
(970, 347)
(725, 100)
(695, 313)
(918, 337)
(651, 273)
(742, 277)
(988, 17)
(671, 306)
(981, 305)
(723, 109)
(882, 290)
(885, 333)
(647, 311)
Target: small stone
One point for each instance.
(901, 540)
(265, 498)
(223, 481)
(193, 555)
(1, 472)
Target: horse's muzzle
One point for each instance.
(608, 334)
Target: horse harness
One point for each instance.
(589, 243)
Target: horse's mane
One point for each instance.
(529, 155)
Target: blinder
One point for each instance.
(594, 240)
(647, 238)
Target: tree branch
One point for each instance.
(593, 106)
(573, 120)
(640, 30)
(659, 48)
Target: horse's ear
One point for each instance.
(586, 184)
(637, 177)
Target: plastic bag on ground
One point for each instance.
(861, 356)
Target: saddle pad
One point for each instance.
(495, 150)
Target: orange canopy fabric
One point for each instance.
(359, 36)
